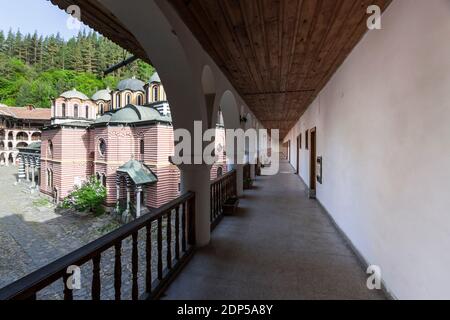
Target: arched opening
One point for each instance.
(75, 111)
(140, 99)
(128, 98)
(101, 109)
(101, 147)
(63, 110)
(141, 149)
(22, 136)
(2, 134)
(3, 159)
(36, 136)
(10, 136)
(50, 149)
(155, 93)
(103, 179)
(87, 112)
(22, 145)
(11, 159)
(10, 145)
(209, 91)
(118, 101)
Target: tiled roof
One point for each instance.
(26, 113)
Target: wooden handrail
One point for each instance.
(221, 189)
(28, 286)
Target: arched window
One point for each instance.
(102, 110)
(75, 111)
(63, 110)
(128, 98)
(219, 172)
(50, 149)
(117, 101)
(155, 93)
(103, 179)
(87, 112)
(139, 100)
(102, 147)
(142, 147)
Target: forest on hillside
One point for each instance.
(34, 69)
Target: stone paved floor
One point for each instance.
(280, 245)
(32, 235)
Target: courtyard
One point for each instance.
(33, 233)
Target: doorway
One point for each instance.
(312, 164)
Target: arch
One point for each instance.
(63, 110)
(22, 136)
(22, 145)
(10, 136)
(10, 145)
(142, 148)
(128, 98)
(140, 99)
(75, 111)
(117, 101)
(103, 179)
(209, 91)
(3, 158)
(87, 111)
(230, 110)
(11, 158)
(2, 134)
(36, 136)
(49, 149)
(2, 145)
(155, 93)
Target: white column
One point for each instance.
(118, 191)
(195, 178)
(128, 193)
(32, 172)
(138, 201)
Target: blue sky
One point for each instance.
(34, 15)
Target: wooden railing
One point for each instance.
(246, 171)
(222, 189)
(169, 232)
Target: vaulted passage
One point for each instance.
(280, 245)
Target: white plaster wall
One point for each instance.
(383, 129)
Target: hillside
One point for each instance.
(33, 69)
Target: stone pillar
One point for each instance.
(128, 193)
(38, 171)
(27, 169)
(118, 191)
(138, 201)
(196, 178)
(33, 173)
(21, 171)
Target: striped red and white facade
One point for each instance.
(74, 149)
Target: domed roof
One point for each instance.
(132, 114)
(74, 94)
(155, 78)
(104, 94)
(132, 84)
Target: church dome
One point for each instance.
(132, 84)
(132, 114)
(104, 94)
(155, 78)
(74, 94)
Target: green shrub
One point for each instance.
(89, 197)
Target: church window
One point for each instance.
(155, 93)
(63, 110)
(102, 147)
(75, 111)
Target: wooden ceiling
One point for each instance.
(278, 54)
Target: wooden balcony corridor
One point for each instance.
(280, 245)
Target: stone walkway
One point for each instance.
(280, 245)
